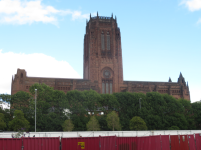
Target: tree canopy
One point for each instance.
(2, 123)
(67, 125)
(54, 107)
(137, 123)
(19, 122)
(93, 124)
(113, 121)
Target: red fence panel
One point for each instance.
(165, 142)
(174, 142)
(155, 142)
(107, 142)
(41, 143)
(191, 142)
(198, 141)
(126, 143)
(87, 143)
(143, 143)
(10, 143)
(184, 142)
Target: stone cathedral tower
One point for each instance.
(103, 70)
(103, 54)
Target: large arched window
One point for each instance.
(107, 82)
(102, 41)
(106, 86)
(108, 41)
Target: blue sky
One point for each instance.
(160, 38)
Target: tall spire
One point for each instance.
(170, 80)
(97, 13)
(187, 84)
(112, 15)
(181, 79)
(90, 16)
(180, 75)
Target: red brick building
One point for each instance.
(103, 70)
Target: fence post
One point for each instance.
(22, 144)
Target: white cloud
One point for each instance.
(36, 65)
(23, 12)
(192, 5)
(195, 93)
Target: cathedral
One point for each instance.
(103, 69)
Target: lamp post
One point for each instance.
(35, 108)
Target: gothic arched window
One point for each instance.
(102, 41)
(106, 86)
(108, 41)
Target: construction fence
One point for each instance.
(157, 142)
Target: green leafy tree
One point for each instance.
(19, 122)
(78, 109)
(68, 125)
(173, 128)
(113, 121)
(156, 111)
(155, 122)
(50, 107)
(137, 123)
(5, 97)
(174, 113)
(103, 122)
(188, 113)
(22, 101)
(91, 100)
(93, 124)
(196, 108)
(109, 102)
(129, 106)
(2, 123)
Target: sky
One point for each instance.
(160, 39)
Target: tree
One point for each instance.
(7, 117)
(113, 121)
(109, 102)
(67, 125)
(2, 123)
(93, 124)
(188, 113)
(91, 100)
(196, 114)
(22, 101)
(129, 106)
(5, 97)
(154, 122)
(19, 122)
(173, 128)
(137, 123)
(78, 109)
(50, 107)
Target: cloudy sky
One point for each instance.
(160, 39)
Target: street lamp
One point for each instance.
(140, 103)
(35, 108)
